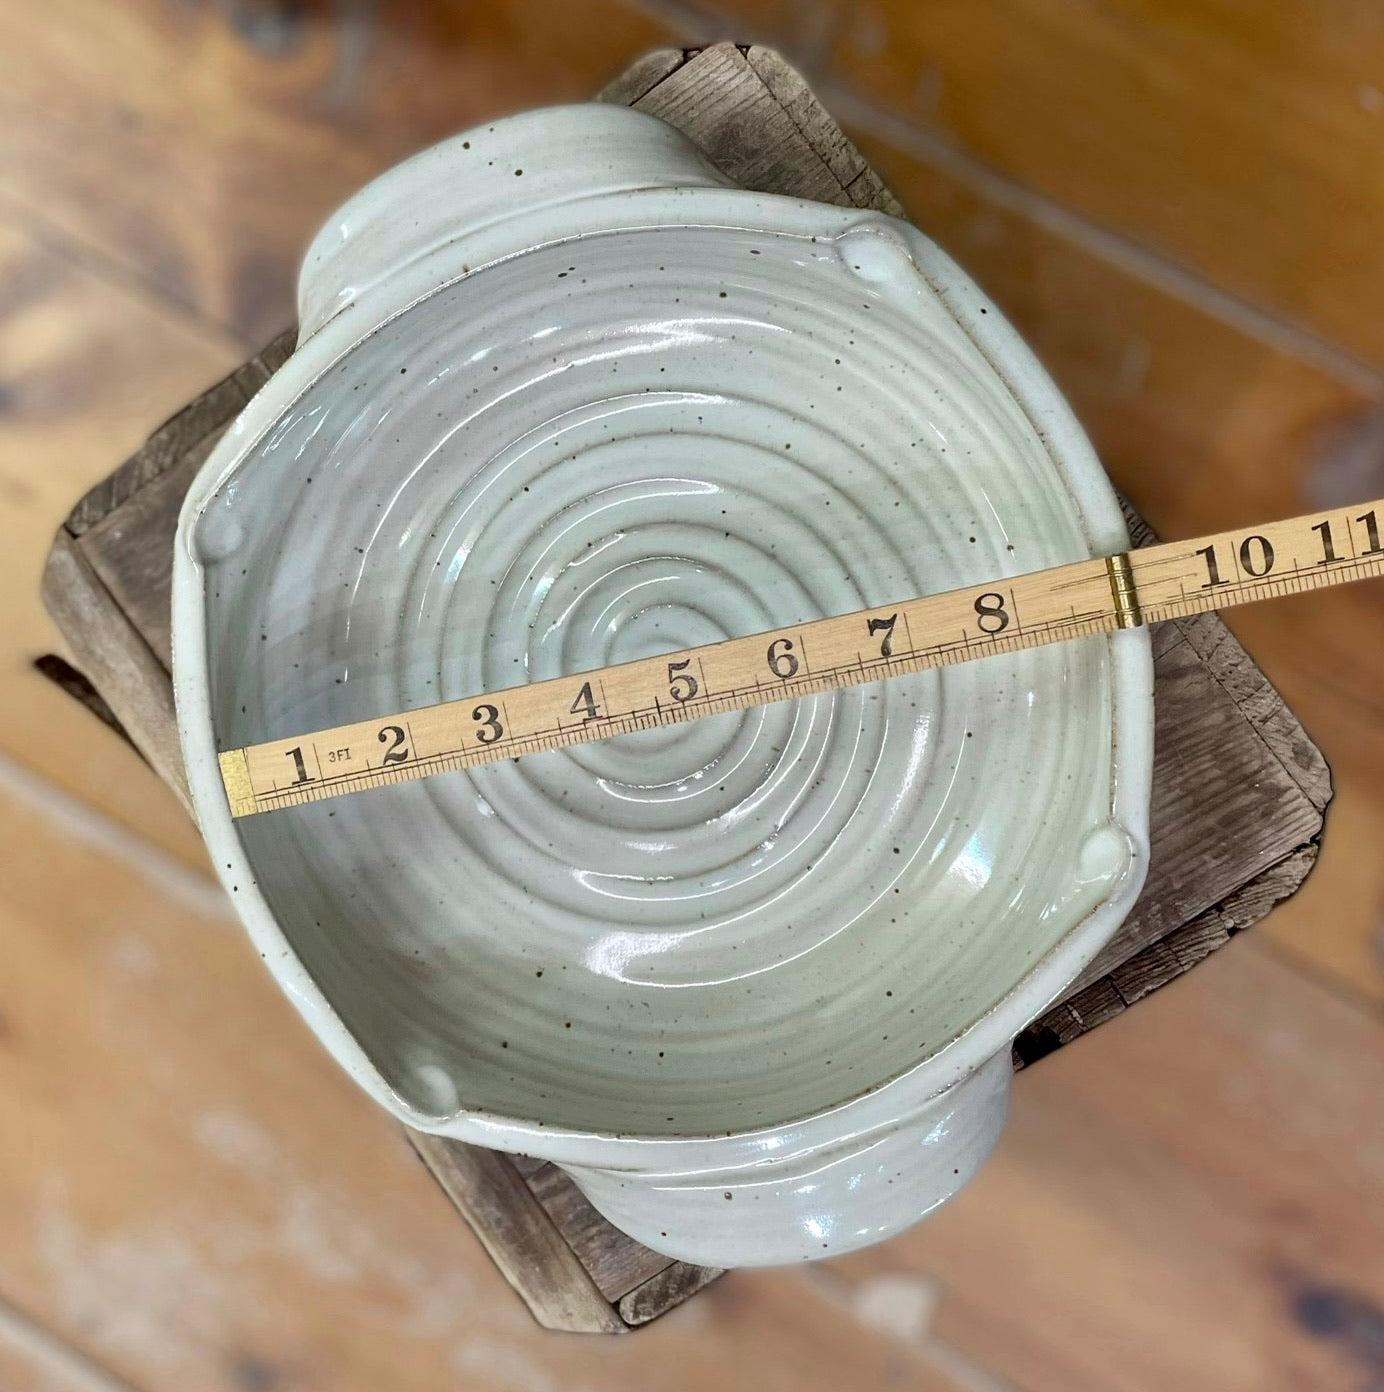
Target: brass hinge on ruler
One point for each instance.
(1124, 592)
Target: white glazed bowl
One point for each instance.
(562, 397)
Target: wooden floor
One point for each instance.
(1181, 208)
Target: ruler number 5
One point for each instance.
(682, 685)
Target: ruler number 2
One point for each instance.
(394, 753)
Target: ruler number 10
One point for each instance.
(1256, 560)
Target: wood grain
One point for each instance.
(1203, 680)
(509, 1220)
(616, 1268)
(1145, 1245)
(193, 1194)
(231, 153)
(73, 396)
(32, 1360)
(117, 658)
(1242, 141)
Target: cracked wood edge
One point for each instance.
(1165, 960)
(516, 1231)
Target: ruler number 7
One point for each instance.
(886, 627)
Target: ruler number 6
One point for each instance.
(781, 661)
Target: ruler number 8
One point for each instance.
(991, 615)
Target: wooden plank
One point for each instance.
(1169, 1214)
(73, 397)
(719, 101)
(193, 1195)
(1243, 141)
(617, 1268)
(117, 659)
(642, 76)
(201, 167)
(660, 1293)
(127, 569)
(1226, 809)
(1145, 971)
(513, 1227)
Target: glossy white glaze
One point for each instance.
(527, 436)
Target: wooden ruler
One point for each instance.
(1145, 586)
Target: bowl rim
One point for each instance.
(1096, 510)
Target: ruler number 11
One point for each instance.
(1368, 520)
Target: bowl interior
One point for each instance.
(610, 448)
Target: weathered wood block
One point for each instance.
(1239, 789)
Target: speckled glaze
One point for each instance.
(562, 398)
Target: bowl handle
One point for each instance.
(480, 196)
(819, 1201)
